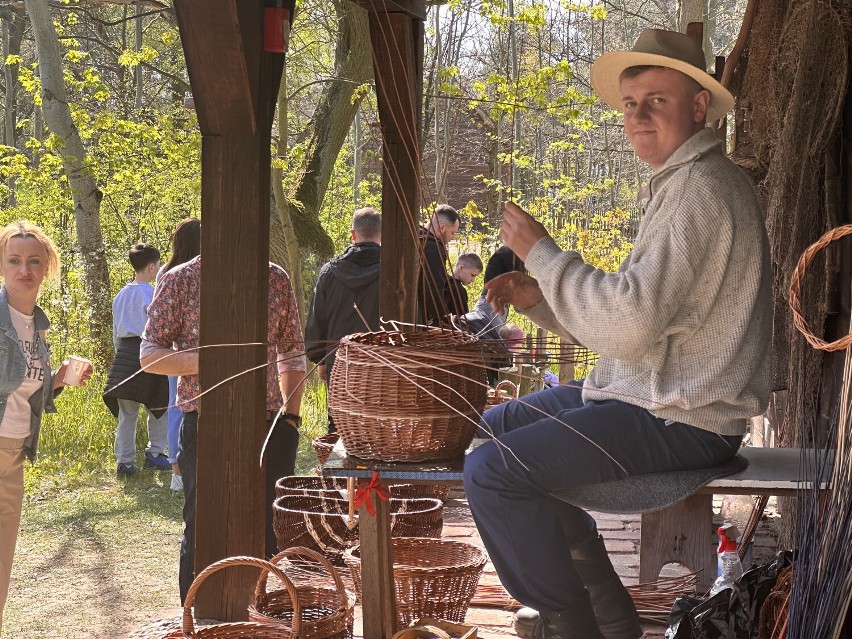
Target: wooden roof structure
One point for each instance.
(234, 84)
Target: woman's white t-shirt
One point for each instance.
(16, 418)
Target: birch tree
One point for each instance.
(85, 192)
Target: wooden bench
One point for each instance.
(684, 533)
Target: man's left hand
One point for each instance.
(520, 231)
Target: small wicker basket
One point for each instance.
(323, 446)
(323, 524)
(432, 577)
(328, 611)
(408, 396)
(241, 629)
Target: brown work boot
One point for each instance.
(576, 622)
(614, 609)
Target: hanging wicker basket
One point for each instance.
(241, 629)
(432, 577)
(323, 447)
(323, 524)
(328, 610)
(408, 396)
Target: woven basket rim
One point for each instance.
(412, 542)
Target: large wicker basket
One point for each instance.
(311, 486)
(408, 396)
(328, 609)
(336, 488)
(432, 577)
(323, 524)
(241, 629)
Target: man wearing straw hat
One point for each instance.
(682, 328)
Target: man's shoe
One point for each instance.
(126, 470)
(524, 623)
(576, 622)
(613, 605)
(158, 462)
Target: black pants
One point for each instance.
(280, 462)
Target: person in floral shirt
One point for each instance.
(173, 325)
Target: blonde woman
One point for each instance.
(27, 385)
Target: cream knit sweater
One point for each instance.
(684, 327)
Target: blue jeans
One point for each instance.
(175, 417)
(527, 531)
(280, 461)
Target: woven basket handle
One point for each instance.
(507, 384)
(265, 567)
(421, 631)
(300, 551)
(796, 280)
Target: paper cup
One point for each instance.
(76, 367)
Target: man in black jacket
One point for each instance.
(433, 290)
(348, 281)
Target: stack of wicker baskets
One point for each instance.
(408, 396)
(323, 523)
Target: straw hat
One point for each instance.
(657, 47)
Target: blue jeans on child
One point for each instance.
(527, 531)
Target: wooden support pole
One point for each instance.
(398, 63)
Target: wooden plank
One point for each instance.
(378, 595)
(769, 471)
(411, 8)
(397, 62)
(212, 35)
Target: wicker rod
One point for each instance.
(795, 283)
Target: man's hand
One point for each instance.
(515, 288)
(322, 371)
(520, 231)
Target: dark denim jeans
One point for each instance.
(548, 441)
(280, 461)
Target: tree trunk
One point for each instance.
(330, 125)
(13, 31)
(85, 192)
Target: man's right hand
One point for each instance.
(515, 288)
(322, 371)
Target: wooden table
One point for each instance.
(378, 600)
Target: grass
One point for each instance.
(97, 556)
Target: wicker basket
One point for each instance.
(323, 524)
(503, 392)
(407, 396)
(328, 611)
(241, 629)
(311, 486)
(432, 577)
(324, 445)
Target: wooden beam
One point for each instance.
(411, 8)
(216, 64)
(234, 84)
(398, 64)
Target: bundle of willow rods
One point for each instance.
(653, 600)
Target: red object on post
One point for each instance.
(277, 18)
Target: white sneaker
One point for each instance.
(177, 483)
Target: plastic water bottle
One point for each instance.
(728, 564)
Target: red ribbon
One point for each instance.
(365, 488)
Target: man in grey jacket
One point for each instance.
(682, 328)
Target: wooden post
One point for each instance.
(234, 85)
(397, 39)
